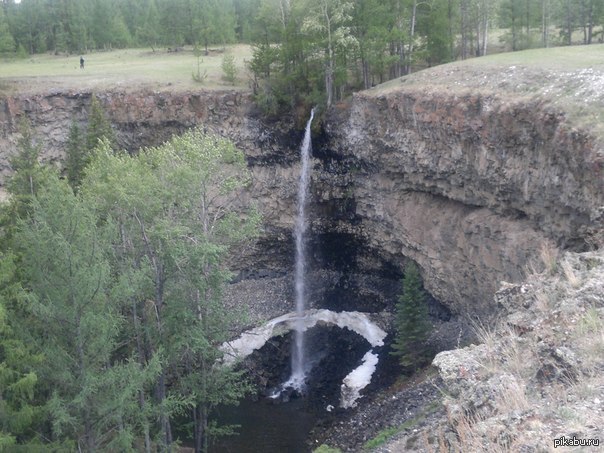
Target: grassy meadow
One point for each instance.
(124, 69)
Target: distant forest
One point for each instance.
(317, 49)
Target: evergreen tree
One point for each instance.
(173, 208)
(7, 42)
(65, 257)
(76, 158)
(229, 69)
(412, 322)
(99, 128)
(25, 182)
(19, 411)
(148, 33)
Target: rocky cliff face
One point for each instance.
(468, 187)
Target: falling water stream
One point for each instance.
(321, 357)
(298, 360)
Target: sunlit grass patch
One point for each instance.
(125, 69)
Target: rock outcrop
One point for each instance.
(469, 187)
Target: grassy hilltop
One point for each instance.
(569, 79)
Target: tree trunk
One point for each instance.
(590, 22)
(464, 32)
(486, 33)
(544, 23)
(142, 360)
(164, 418)
(365, 71)
(88, 432)
(569, 27)
(451, 34)
(329, 71)
(411, 36)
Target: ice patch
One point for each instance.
(356, 321)
(356, 380)
(254, 339)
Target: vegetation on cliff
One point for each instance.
(111, 298)
(412, 324)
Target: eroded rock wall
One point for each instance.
(469, 187)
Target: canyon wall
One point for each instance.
(470, 187)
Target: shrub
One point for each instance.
(229, 69)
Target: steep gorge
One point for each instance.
(467, 186)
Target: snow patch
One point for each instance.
(356, 380)
(254, 339)
(356, 321)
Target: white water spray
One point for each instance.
(298, 360)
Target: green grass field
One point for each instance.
(123, 69)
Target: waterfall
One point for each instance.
(298, 359)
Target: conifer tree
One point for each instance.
(173, 208)
(76, 158)
(19, 410)
(7, 43)
(25, 163)
(98, 127)
(25, 182)
(77, 324)
(412, 323)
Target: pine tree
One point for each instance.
(7, 43)
(412, 323)
(76, 324)
(77, 157)
(98, 127)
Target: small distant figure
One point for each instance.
(81, 62)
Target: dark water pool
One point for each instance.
(266, 427)
(284, 427)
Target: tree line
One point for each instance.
(78, 26)
(305, 51)
(314, 51)
(111, 281)
(442, 29)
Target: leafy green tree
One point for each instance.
(65, 256)
(412, 323)
(173, 207)
(330, 20)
